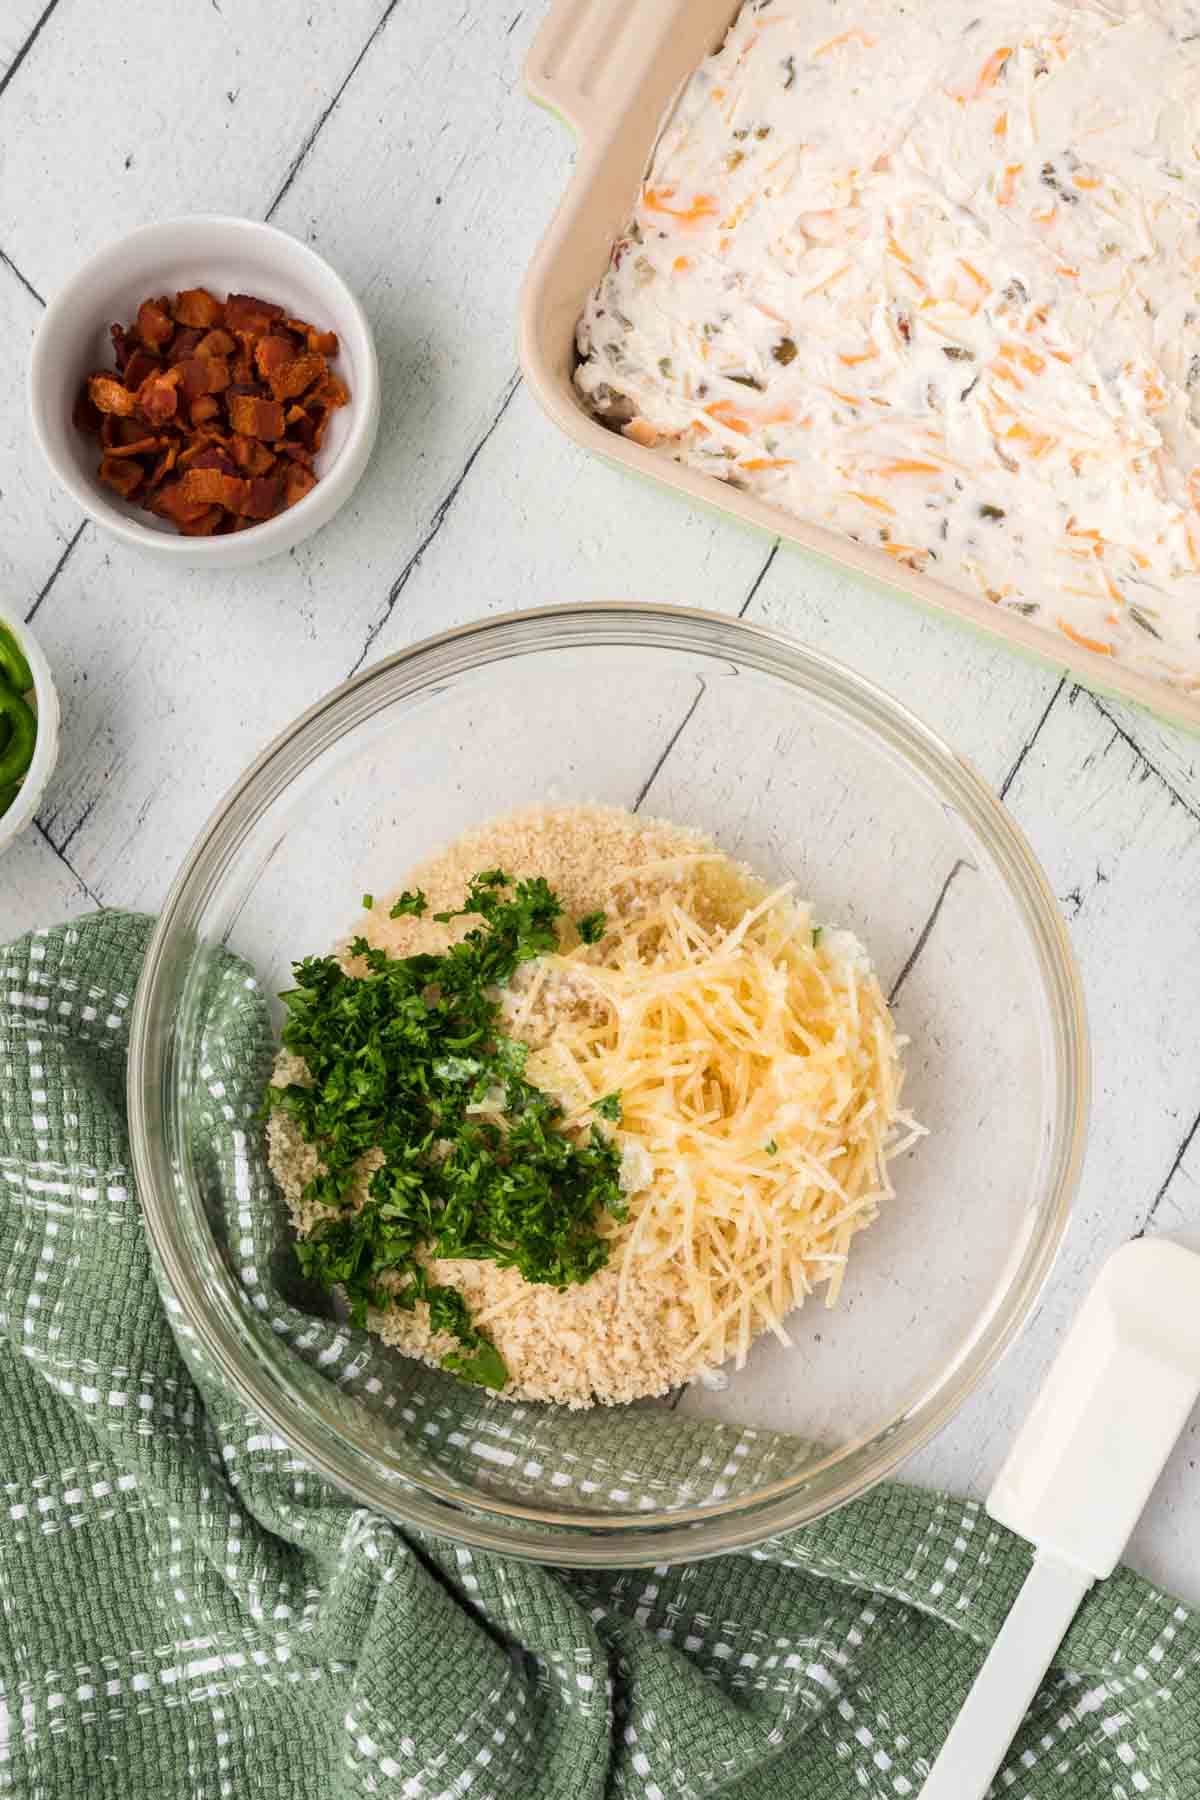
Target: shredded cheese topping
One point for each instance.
(927, 275)
(759, 1079)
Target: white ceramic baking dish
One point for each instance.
(610, 69)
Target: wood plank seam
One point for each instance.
(1031, 740)
(701, 690)
(1182, 1151)
(26, 47)
(438, 520)
(927, 929)
(24, 280)
(1140, 754)
(56, 571)
(68, 866)
(772, 553)
(314, 134)
(683, 723)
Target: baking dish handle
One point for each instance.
(590, 55)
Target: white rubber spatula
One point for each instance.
(1076, 1480)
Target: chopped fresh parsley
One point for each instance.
(591, 927)
(410, 904)
(771, 1148)
(397, 1057)
(818, 933)
(368, 902)
(609, 1107)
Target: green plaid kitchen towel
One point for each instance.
(188, 1611)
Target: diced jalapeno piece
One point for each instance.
(12, 662)
(17, 754)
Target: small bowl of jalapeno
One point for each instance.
(28, 727)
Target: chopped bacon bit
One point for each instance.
(213, 457)
(170, 502)
(243, 313)
(108, 395)
(263, 497)
(116, 432)
(140, 364)
(251, 457)
(216, 410)
(297, 452)
(272, 354)
(255, 418)
(202, 375)
(86, 415)
(125, 476)
(205, 523)
(155, 325)
(216, 343)
(210, 486)
(303, 432)
(158, 397)
(330, 391)
(297, 482)
(296, 376)
(163, 466)
(185, 343)
(141, 446)
(196, 306)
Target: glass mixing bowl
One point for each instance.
(805, 771)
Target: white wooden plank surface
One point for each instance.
(39, 520)
(1123, 857)
(36, 888)
(395, 138)
(116, 117)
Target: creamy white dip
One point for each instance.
(930, 275)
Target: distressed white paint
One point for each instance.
(37, 519)
(427, 185)
(35, 887)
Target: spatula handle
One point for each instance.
(1007, 1682)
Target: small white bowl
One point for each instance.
(45, 751)
(225, 256)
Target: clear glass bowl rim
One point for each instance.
(293, 1399)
